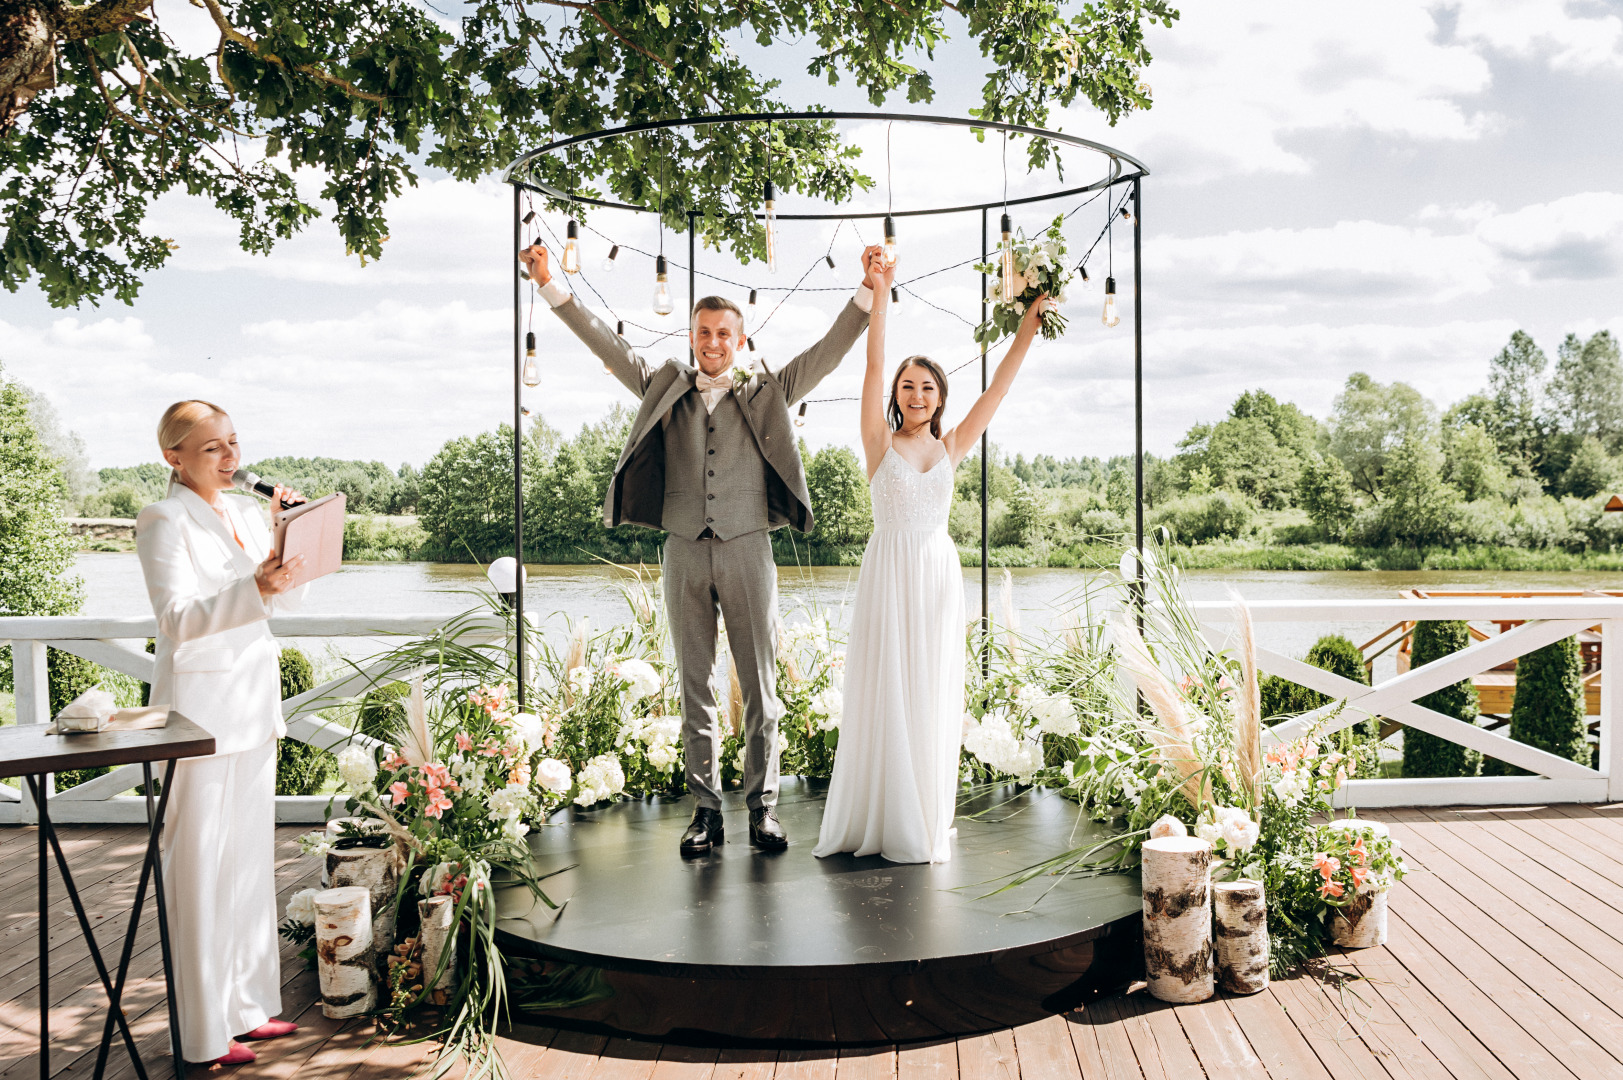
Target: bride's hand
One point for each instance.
(1042, 303)
(877, 275)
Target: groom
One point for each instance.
(712, 460)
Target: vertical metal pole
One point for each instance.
(986, 608)
(155, 853)
(691, 297)
(1138, 385)
(518, 451)
(36, 785)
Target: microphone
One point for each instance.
(251, 482)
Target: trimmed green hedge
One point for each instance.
(301, 769)
(1548, 711)
(1428, 755)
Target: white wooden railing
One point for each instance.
(1544, 620)
(120, 644)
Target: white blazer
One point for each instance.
(217, 663)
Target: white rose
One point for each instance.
(553, 775)
(301, 907)
(357, 768)
(1166, 825)
(601, 778)
(1209, 831)
(1241, 834)
(530, 729)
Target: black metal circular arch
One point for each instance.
(1116, 158)
(1121, 168)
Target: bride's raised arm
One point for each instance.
(961, 438)
(875, 428)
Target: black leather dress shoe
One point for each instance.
(704, 832)
(765, 832)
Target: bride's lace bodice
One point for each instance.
(904, 498)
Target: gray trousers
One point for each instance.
(738, 579)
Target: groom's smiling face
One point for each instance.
(716, 336)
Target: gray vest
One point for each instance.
(715, 474)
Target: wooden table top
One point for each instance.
(26, 748)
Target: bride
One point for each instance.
(896, 769)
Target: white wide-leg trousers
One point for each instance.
(220, 882)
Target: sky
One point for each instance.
(1388, 187)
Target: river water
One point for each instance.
(113, 586)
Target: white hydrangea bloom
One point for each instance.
(580, 680)
(829, 707)
(1291, 787)
(641, 675)
(664, 755)
(1056, 715)
(316, 844)
(601, 778)
(514, 829)
(357, 768)
(507, 802)
(553, 775)
(301, 907)
(530, 729)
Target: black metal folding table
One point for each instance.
(27, 750)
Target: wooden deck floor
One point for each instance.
(1506, 960)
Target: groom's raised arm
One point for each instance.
(606, 345)
(801, 375)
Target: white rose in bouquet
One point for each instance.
(553, 775)
(1166, 825)
(301, 907)
(530, 730)
(357, 768)
(641, 675)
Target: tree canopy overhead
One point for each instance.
(102, 111)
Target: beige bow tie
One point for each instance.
(713, 382)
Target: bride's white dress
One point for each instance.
(896, 768)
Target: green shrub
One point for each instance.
(382, 539)
(1199, 519)
(383, 711)
(1338, 655)
(1425, 754)
(1548, 711)
(301, 769)
(71, 676)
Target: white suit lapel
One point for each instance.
(204, 515)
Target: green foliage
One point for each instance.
(1260, 450)
(369, 539)
(36, 549)
(1548, 710)
(1590, 472)
(1119, 494)
(1370, 421)
(1425, 754)
(1586, 389)
(1514, 385)
(383, 711)
(301, 769)
(1333, 653)
(360, 94)
(1472, 463)
(1326, 494)
(1419, 508)
(1200, 519)
(1023, 523)
(841, 501)
(369, 487)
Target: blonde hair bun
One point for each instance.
(181, 418)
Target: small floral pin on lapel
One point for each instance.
(741, 376)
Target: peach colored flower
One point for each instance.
(1330, 888)
(1327, 865)
(463, 742)
(437, 803)
(1358, 873)
(394, 761)
(437, 775)
(398, 792)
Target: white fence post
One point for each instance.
(31, 688)
(1611, 707)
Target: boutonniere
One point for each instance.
(741, 376)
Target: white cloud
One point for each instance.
(1576, 237)
(1571, 35)
(1234, 81)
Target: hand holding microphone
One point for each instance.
(284, 498)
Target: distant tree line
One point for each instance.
(371, 487)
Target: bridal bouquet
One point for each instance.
(1039, 267)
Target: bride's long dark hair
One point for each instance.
(894, 414)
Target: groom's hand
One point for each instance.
(877, 276)
(534, 259)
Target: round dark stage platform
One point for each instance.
(742, 946)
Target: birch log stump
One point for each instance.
(438, 937)
(377, 870)
(346, 961)
(1362, 923)
(1242, 935)
(1177, 874)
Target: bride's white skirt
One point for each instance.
(895, 779)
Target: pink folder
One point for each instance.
(316, 531)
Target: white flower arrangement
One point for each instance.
(828, 707)
(508, 802)
(315, 844)
(580, 681)
(644, 680)
(357, 768)
(1040, 267)
(553, 775)
(301, 907)
(601, 778)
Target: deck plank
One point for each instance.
(936, 1060)
(1274, 1038)
(988, 1057)
(1046, 1052)
(1222, 1048)
(870, 1063)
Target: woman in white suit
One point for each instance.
(214, 582)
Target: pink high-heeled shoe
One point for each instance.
(237, 1055)
(271, 1029)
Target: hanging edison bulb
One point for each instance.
(1127, 216)
(620, 328)
(571, 260)
(662, 288)
(895, 295)
(770, 213)
(800, 417)
(750, 312)
(1110, 316)
(608, 260)
(1006, 289)
(890, 242)
(532, 370)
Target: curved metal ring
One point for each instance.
(1114, 156)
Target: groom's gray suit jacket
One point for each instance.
(735, 470)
